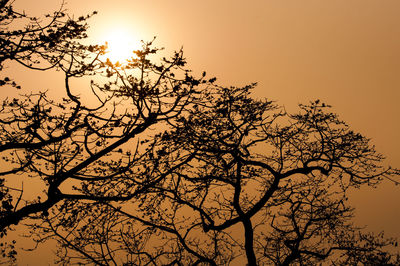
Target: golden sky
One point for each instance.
(344, 52)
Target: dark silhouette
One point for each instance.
(166, 168)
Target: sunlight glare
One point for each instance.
(121, 45)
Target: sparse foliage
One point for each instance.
(160, 167)
(237, 179)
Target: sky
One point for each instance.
(344, 52)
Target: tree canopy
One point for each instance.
(165, 167)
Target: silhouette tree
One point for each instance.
(39, 44)
(160, 167)
(237, 179)
(68, 145)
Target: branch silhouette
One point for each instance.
(166, 168)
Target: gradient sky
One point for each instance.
(344, 52)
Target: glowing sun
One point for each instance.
(120, 45)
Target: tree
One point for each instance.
(238, 178)
(36, 44)
(75, 142)
(161, 167)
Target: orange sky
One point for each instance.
(344, 52)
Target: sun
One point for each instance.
(120, 45)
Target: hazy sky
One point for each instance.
(344, 52)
